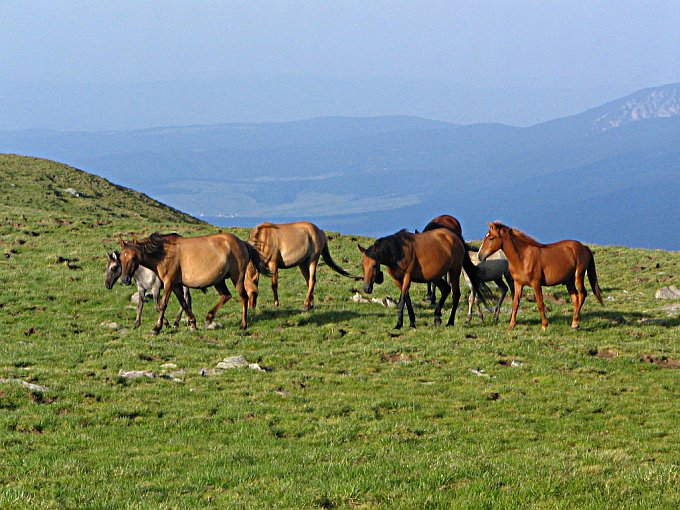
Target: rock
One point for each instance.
(135, 374)
(387, 302)
(72, 192)
(232, 362)
(168, 365)
(670, 292)
(214, 325)
(110, 325)
(358, 298)
(30, 386)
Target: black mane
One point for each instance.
(390, 250)
(154, 245)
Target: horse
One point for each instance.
(493, 269)
(286, 245)
(146, 281)
(194, 262)
(420, 258)
(536, 264)
(443, 221)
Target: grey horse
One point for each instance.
(493, 269)
(146, 280)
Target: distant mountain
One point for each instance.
(607, 175)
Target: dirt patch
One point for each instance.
(661, 361)
(607, 354)
(396, 357)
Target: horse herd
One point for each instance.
(437, 256)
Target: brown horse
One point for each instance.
(420, 258)
(286, 245)
(194, 262)
(450, 223)
(536, 264)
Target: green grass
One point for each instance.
(352, 413)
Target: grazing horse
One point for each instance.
(420, 258)
(536, 264)
(450, 223)
(493, 269)
(286, 245)
(194, 262)
(146, 281)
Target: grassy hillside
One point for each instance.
(349, 413)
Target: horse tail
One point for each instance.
(257, 260)
(592, 277)
(480, 287)
(326, 255)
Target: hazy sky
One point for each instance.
(112, 65)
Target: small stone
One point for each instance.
(670, 292)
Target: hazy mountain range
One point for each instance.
(609, 175)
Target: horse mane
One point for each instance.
(154, 245)
(390, 250)
(519, 234)
(433, 225)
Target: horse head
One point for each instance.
(371, 269)
(493, 240)
(129, 258)
(113, 269)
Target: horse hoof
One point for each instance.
(154, 332)
(398, 326)
(137, 324)
(412, 325)
(437, 321)
(574, 326)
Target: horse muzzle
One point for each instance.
(368, 288)
(126, 280)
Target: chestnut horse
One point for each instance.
(443, 221)
(286, 245)
(536, 264)
(194, 262)
(420, 258)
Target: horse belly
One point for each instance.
(203, 275)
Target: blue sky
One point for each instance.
(127, 64)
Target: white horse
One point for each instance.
(493, 269)
(146, 280)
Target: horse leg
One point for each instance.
(141, 294)
(519, 288)
(274, 270)
(573, 294)
(161, 308)
(239, 284)
(582, 293)
(504, 290)
(445, 290)
(411, 313)
(187, 299)
(454, 281)
(311, 281)
(178, 290)
(404, 287)
(431, 293)
(538, 292)
(225, 296)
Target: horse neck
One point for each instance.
(514, 249)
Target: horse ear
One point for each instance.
(121, 242)
(417, 231)
(361, 248)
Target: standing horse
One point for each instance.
(493, 269)
(286, 245)
(420, 258)
(146, 280)
(450, 223)
(194, 262)
(536, 264)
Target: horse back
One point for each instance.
(444, 221)
(205, 260)
(435, 253)
(289, 244)
(560, 261)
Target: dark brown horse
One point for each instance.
(286, 245)
(420, 258)
(194, 262)
(536, 264)
(450, 223)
